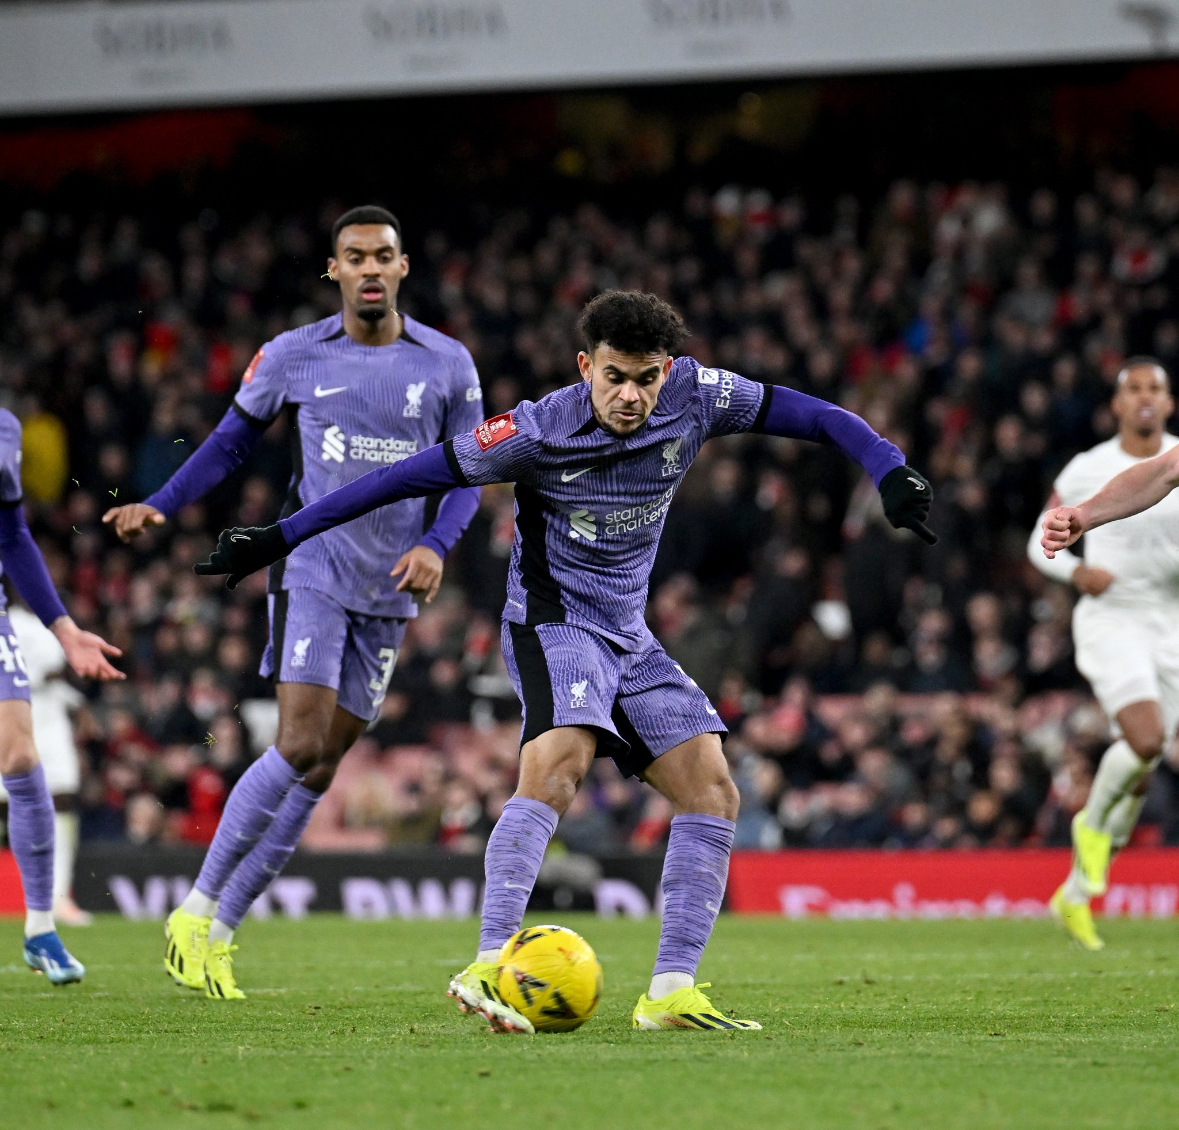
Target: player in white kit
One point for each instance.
(1125, 632)
(52, 700)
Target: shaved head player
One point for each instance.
(1126, 624)
(596, 465)
(367, 387)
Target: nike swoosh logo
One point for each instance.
(41, 847)
(328, 391)
(516, 886)
(917, 483)
(239, 537)
(566, 477)
(709, 710)
(19, 682)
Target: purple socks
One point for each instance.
(30, 835)
(265, 862)
(515, 852)
(695, 871)
(251, 807)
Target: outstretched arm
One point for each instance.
(1136, 489)
(222, 453)
(23, 562)
(242, 552)
(906, 493)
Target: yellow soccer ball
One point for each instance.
(552, 976)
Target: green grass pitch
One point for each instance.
(867, 1025)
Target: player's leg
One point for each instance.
(31, 838)
(1115, 652)
(675, 745)
(267, 859)
(59, 756)
(566, 679)
(65, 854)
(367, 663)
(308, 633)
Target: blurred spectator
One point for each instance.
(980, 330)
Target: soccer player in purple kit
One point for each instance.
(366, 387)
(30, 807)
(595, 466)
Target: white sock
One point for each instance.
(1120, 770)
(1122, 818)
(200, 905)
(65, 850)
(1076, 890)
(219, 932)
(38, 922)
(664, 983)
(487, 955)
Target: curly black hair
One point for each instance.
(365, 214)
(631, 322)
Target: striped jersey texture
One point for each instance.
(355, 408)
(590, 506)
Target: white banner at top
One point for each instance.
(79, 55)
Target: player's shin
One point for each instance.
(515, 852)
(1122, 819)
(1120, 771)
(65, 825)
(31, 837)
(265, 862)
(252, 805)
(695, 872)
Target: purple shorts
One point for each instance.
(14, 676)
(641, 703)
(320, 641)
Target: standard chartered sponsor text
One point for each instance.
(375, 449)
(631, 518)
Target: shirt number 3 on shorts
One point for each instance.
(380, 684)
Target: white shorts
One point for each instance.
(1128, 656)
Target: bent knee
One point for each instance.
(1147, 743)
(725, 798)
(303, 751)
(320, 776)
(17, 757)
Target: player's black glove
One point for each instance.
(241, 552)
(907, 496)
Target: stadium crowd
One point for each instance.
(877, 693)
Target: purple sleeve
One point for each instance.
(23, 562)
(226, 448)
(785, 412)
(455, 512)
(431, 470)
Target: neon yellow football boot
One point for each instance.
(219, 982)
(474, 989)
(186, 941)
(1092, 851)
(686, 1008)
(1077, 919)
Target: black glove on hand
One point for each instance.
(907, 496)
(242, 552)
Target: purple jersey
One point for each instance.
(590, 506)
(10, 489)
(356, 407)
